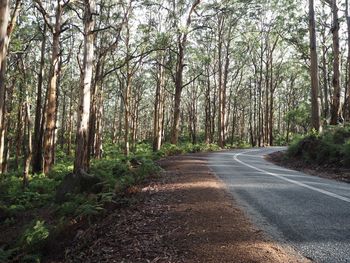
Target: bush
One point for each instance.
(330, 148)
(35, 235)
(171, 149)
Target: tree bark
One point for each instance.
(315, 114)
(29, 148)
(51, 104)
(336, 72)
(81, 162)
(181, 43)
(38, 132)
(7, 25)
(347, 94)
(158, 107)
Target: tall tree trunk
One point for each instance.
(51, 104)
(221, 88)
(207, 108)
(335, 107)
(127, 93)
(70, 124)
(4, 20)
(99, 126)
(8, 137)
(38, 132)
(28, 151)
(181, 43)
(178, 91)
(158, 107)
(325, 82)
(81, 162)
(315, 114)
(62, 139)
(347, 94)
(7, 25)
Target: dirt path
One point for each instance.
(186, 216)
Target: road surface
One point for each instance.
(309, 213)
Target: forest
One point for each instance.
(92, 92)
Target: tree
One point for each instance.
(315, 113)
(180, 64)
(335, 106)
(7, 24)
(82, 136)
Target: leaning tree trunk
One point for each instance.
(82, 137)
(315, 114)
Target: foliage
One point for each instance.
(171, 149)
(5, 255)
(300, 116)
(35, 235)
(328, 148)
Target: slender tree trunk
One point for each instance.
(4, 41)
(221, 88)
(8, 137)
(81, 162)
(19, 130)
(178, 91)
(7, 25)
(207, 109)
(51, 104)
(38, 132)
(70, 124)
(335, 107)
(62, 139)
(158, 108)
(347, 94)
(325, 82)
(315, 114)
(127, 114)
(181, 43)
(99, 126)
(28, 152)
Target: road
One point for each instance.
(309, 213)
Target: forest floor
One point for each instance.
(185, 215)
(326, 171)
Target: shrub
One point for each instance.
(171, 149)
(35, 235)
(5, 255)
(330, 148)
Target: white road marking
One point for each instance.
(251, 155)
(235, 157)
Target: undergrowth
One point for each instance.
(330, 148)
(45, 219)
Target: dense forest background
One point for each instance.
(86, 73)
(92, 91)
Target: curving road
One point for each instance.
(309, 213)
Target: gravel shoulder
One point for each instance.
(186, 215)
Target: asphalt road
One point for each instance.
(309, 213)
